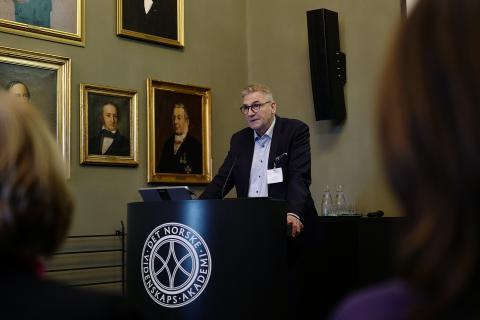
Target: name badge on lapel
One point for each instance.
(274, 175)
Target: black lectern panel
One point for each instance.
(352, 252)
(207, 259)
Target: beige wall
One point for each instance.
(227, 44)
(214, 56)
(278, 55)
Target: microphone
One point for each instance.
(228, 175)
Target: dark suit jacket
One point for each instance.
(25, 296)
(289, 136)
(119, 147)
(160, 21)
(189, 154)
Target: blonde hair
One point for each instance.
(251, 88)
(35, 201)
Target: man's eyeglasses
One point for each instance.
(255, 107)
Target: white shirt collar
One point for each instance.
(269, 132)
(181, 137)
(147, 4)
(103, 127)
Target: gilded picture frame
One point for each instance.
(161, 22)
(108, 125)
(47, 80)
(54, 20)
(179, 136)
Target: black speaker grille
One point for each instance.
(327, 68)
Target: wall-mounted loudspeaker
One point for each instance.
(327, 65)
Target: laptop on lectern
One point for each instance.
(165, 193)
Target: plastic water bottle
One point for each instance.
(326, 202)
(340, 201)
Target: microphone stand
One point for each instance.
(228, 175)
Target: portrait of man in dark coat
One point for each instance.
(109, 140)
(181, 153)
(153, 17)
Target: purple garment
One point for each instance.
(390, 300)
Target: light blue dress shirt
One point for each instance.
(258, 172)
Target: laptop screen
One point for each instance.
(165, 193)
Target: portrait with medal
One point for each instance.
(178, 133)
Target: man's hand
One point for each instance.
(296, 224)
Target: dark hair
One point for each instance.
(429, 129)
(35, 201)
(15, 82)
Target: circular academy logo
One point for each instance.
(176, 265)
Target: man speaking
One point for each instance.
(270, 158)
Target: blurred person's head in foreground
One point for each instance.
(429, 128)
(35, 201)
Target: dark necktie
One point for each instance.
(107, 133)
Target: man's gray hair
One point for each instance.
(251, 88)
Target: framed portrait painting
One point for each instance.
(108, 126)
(159, 21)
(43, 80)
(178, 133)
(55, 20)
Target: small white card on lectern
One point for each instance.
(274, 175)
